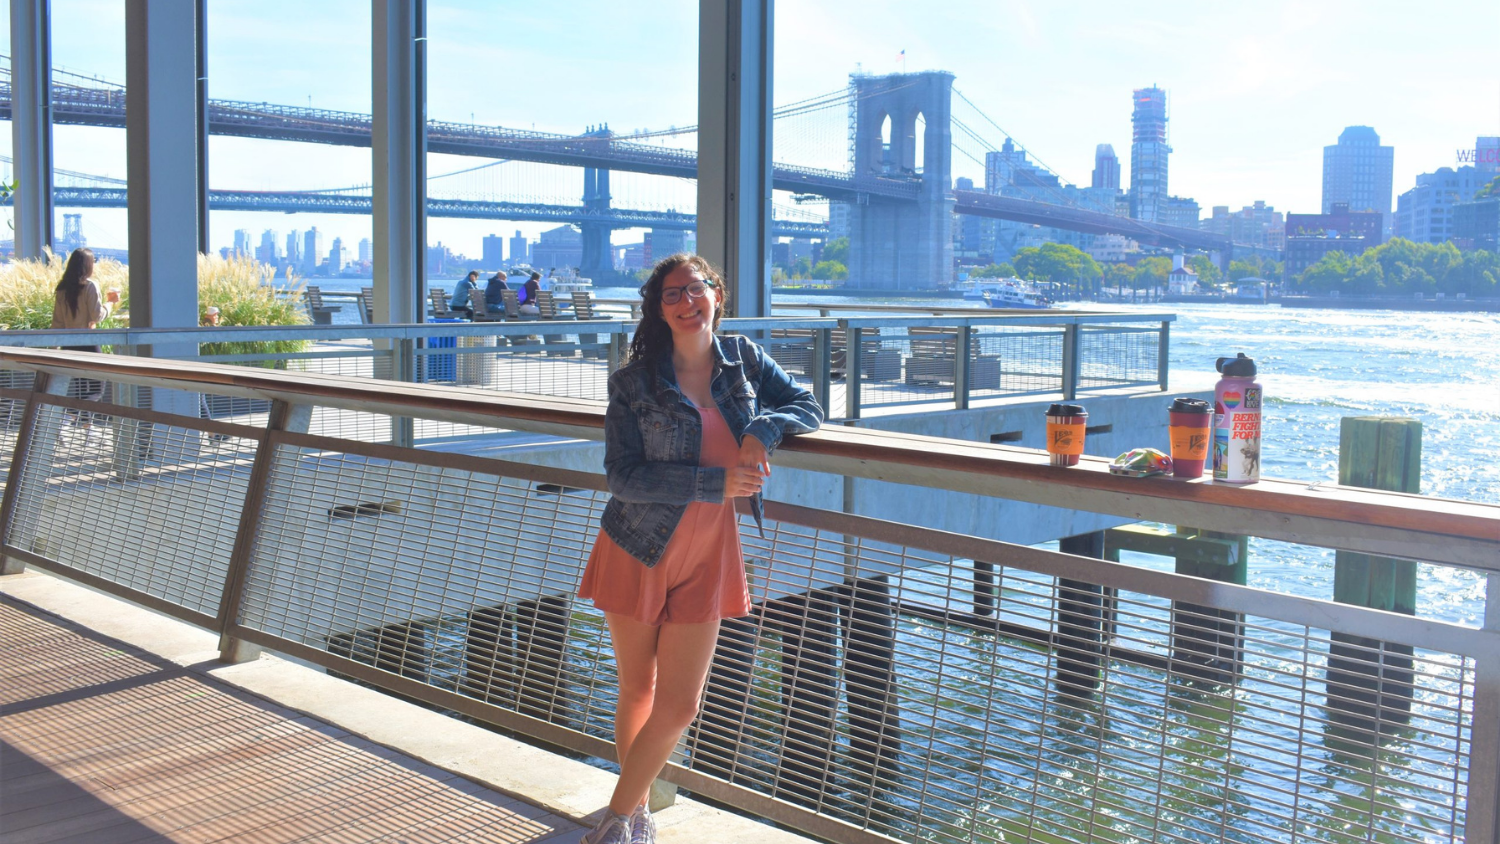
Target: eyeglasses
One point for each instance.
(694, 290)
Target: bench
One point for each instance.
(934, 356)
(794, 353)
(319, 313)
(583, 309)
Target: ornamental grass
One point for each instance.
(28, 287)
(244, 290)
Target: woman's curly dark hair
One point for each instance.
(653, 337)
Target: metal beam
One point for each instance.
(31, 125)
(161, 146)
(200, 58)
(734, 147)
(399, 145)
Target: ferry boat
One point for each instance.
(1007, 293)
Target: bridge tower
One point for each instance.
(598, 261)
(896, 243)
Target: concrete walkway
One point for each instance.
(119, 725)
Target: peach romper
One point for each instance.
(701, 574)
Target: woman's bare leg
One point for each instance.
(635, 664)
(683, 655)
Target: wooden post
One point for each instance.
(1208, 643)
(541, 634)
(1369, 680)
(809, 692)
(1080, 621)
(870, 679)
(714, 744)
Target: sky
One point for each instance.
(1255, 89)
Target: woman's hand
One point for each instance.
(742, 482)
(749, 476)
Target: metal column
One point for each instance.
(734, 147)
(161, 142)
(399, 160)
(31, 124)
(200, 58)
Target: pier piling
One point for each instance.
(1370, 680)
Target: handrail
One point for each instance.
(33, 338)
(1445, 531)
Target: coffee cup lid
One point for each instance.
(1190, 405)
(1067, 410)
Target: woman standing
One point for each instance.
(693, 419)
(76, 304)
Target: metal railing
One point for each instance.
(866, 699)
(898, 363)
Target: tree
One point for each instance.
(837, 250)
(1208, 272)
(995, 271)
(1491, 189)
(1151, 272)
(1061, 263)
(830, 271)
(1118, 275)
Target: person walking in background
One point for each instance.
(76, 304)
(692, 421)
(529, 293)
(494, 299)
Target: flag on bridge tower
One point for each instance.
(902, 59)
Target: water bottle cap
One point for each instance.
(1238, 366)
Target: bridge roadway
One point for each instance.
(90, 106)
(327, 203)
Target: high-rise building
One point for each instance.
(1357, 172)
(242, 242)
(1425, 213)
(494, 251)
(1254, 225)
(520, 250)
(1311, 236)
(1179, 211)
(1106, 167)
(312, 250)
(558, 248)
(1007, 172)
(1148, 154)
(1487, 155)
(366, 250)
(336, 256)
(269, 251)
(294, 248)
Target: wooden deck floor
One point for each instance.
(101, 743)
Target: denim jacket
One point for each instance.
(653, 437)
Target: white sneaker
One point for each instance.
(642, 826)
(613, 829)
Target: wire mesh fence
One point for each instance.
(148, 506)
(866, 687)
(1118, 356)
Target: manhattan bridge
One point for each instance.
(898, 136)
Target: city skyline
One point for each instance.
(1248, 119)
